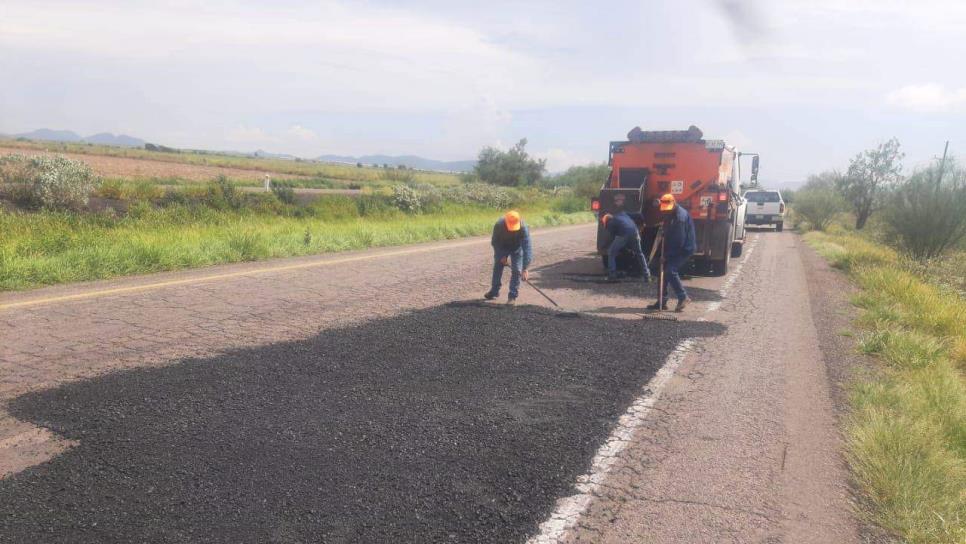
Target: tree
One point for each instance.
(818, 205)
(509, 168)
(871, 175)
(927, 214)
(586, 181)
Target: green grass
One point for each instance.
(906, 432)
(48, 248)
(326, 173)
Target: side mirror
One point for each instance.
(754, 170)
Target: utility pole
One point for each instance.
(942, 165)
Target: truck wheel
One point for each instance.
(778, 226)
(736, 248)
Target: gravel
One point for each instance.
(453, 424)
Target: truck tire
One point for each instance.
(736, 248)
(779, 226)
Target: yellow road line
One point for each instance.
(281, 268)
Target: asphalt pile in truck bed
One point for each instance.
(449, 424)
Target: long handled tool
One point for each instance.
(659, 313)
(563, 313)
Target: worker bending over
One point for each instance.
(626, 235)
(511, 246)
(679, 245)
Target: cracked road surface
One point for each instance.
(344, 398)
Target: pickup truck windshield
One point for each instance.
(762, 196)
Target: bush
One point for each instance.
(111, 188)
(926, 216)
(222, 195)
(819, 206)
(586, 181)
(52, 182)
(284, 193)
(480, 194)
(570, 203)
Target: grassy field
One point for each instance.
(48, 248)
(906, 432)
(332, 173)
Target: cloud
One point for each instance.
(301, 133)
(928, 98)
(242, 134)
(559, 159)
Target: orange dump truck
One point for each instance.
(704, 177)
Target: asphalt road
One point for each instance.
(346, 398)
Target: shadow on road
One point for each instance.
(456, 423)
(586, 273)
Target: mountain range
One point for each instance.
(104, 138)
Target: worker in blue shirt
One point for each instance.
(511, 246)
(679, 245)
(626, 235)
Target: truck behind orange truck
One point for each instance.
(704, 177)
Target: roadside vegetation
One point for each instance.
(55, 231)
(906, 431)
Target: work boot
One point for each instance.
(657, 306)
(490, 295)
(682, 304)
(511, 301)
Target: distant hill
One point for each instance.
(122, 140)
(103, 138)
(409, 161)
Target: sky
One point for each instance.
(807, 84)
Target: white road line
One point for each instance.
(568, 510)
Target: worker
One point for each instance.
(626, 235)
(511, 247)
(679, 245)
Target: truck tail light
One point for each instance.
(781, 208)
(595, 204)
(722, 197)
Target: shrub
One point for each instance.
(284, 193)
(569, 204)
(375, 206)
(53, 182)
(111, 188)
(819, 206)
(480, 194)
(586, 181)
(222, 195)
(927, 214)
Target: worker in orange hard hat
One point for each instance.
(511, 247)
(679, 245)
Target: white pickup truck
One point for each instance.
(765, 208)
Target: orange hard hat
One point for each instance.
(607, 217)
(512, 220)
(667, 202)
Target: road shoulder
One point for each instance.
(829, 292)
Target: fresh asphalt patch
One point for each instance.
(456, 423)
